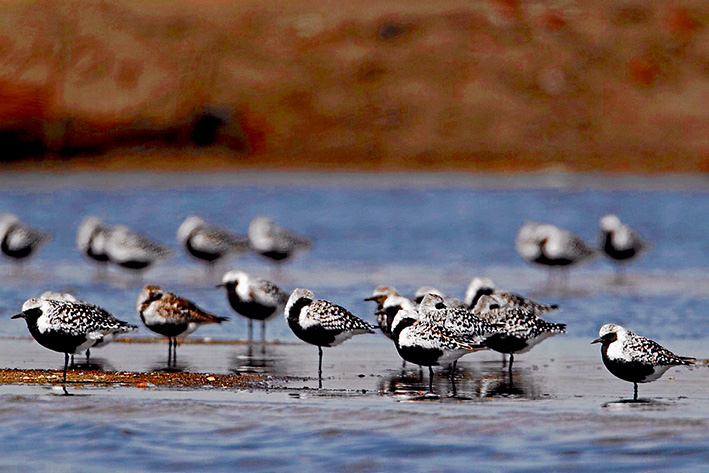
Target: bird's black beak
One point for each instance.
(598, 340)
(21, 315)
(373, 298)
(221, 284)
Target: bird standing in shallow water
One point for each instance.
(254, 298)
(619, 243)
(19, 241)
(208, 243)
(521, 328)
(171, 316)
(634, 358)
(117, 244)
(427, 342)
(69, 327)
(552, 247)
(65, 296)
(275, 243)
(321, 323)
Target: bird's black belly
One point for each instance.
(420, 356)
(16, 253)
(58, 341)
(201, 254)
(101, 257)
(315, 335)
(251, 310)
(546, 261)
(505, 343)
(633, 372)
(276, 255)
(134, 264)
(617, 254)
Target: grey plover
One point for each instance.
(119, 245)
(550, 246)
(634, 358)
(91, 239)
(521, 330)
(275, 243)
(171, 316)
(18, 240)
(321, 323)
(464, 323)
(426, 342)
(209, 243)
(389, 303)
(254, 298)
(69, 327)
(65, 296)
(619, 243)
(479, 287)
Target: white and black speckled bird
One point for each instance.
(171, 316)
(427, 342)
(547, 245)
(521, 328)
(69, 327)
(634, 358)
(209, 243)
(620, 243)
(253, 298)
(275, 243)
(389, 303)
(479, 287)
(91, 237)
(133, 250)
(464, 323)
(321, 323)
(117, 244)
(18, 240)
(65, 296)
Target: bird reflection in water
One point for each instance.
(466, 383)
(255, 359)
(414, 384)
(90, 364)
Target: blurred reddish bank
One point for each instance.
(491, 85)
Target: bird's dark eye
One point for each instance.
(440, 305)
(494, 306)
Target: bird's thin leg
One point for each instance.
(66, 365)
(319, 367)
(174, 352)
(263, 331)
(169, 352)
(430, 379)
(88, 357)
(635, 391)
(512, 360)
(251, 331)
(453, 367)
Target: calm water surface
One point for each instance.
(561, 413)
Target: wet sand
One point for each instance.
(564, 371)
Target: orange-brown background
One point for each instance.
(482, 85)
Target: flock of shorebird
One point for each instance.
(430, 329)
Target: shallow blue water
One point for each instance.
(396, 232)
